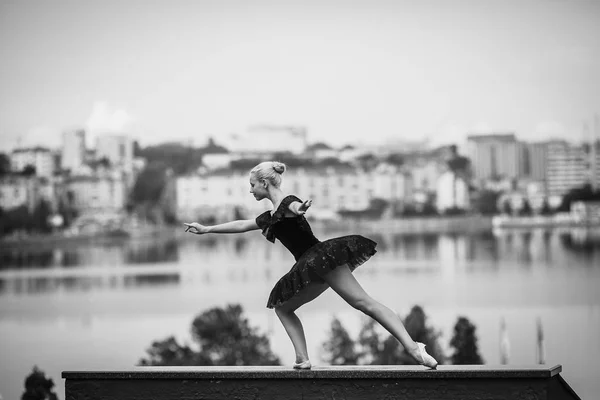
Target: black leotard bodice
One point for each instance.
(293, 232)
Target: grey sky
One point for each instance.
(348, 70)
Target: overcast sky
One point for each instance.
(347, 70)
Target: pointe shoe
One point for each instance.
(303, 365)
(427, 360)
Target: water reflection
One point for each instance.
(37, 285)
(244, 258)
(144, 253)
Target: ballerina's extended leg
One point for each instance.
(345, 284)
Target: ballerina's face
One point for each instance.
(257, 188)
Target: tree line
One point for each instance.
(223, 336)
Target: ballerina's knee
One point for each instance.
(367, 305)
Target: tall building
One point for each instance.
(538, 160)
(494, 156)
(567, 167)
(595, 154)
(39, 157)
(118, 149)
(595, 165)
(73, 150)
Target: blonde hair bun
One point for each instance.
(278, 167)
(270, 171)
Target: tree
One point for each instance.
(374, 350)
(367, 161)
(223, 336)
(4, 164)
(369, 342)
(464, 343)
(29, 170)
(416, 326)
(339, 348)
(486, 202)
(169, 352)
(180, 158)
(227, 338)
(526, 208)
(395, 159)
(149, 184)
(545, 210)
(15, 219)
(38, 387)
(583, 193)
(41, 213)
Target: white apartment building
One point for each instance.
(118, 149)
(568, 167)
(332, 189)
(17, 190)
(96, 193)
(39, 157)
(452, 192)
(425, 174)
(495, 155)
(73, 154)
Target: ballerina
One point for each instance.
(319, 265)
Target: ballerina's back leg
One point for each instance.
(343, 282)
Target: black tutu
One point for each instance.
(317, 261)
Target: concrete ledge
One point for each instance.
(339, 382)
(326, 372)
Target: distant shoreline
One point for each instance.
(453, 224)
(469, 224)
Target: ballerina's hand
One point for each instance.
(304, 206)
(195, 227)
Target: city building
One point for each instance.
(95, 193)
(73, 154)
(331, 189)
(452, 192)
(494, 156)
(595, 165)
(40, 158)
(537, 160)
(425, 174)
(117, 149)
(18, 190)
(567, 167)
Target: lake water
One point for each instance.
(98, 306)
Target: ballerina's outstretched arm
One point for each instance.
(239, 226)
